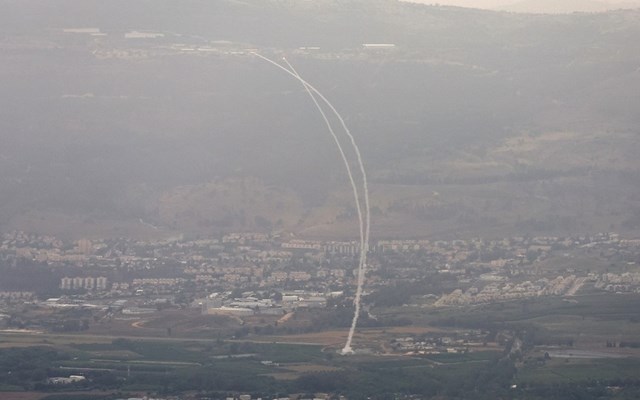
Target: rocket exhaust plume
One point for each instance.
(364, 225)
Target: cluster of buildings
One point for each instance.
(494, 291)
(223, 304)
(485, 270)
(463, 342)
(88, 283)
(17, 296)
(627, 282)
(61, 380)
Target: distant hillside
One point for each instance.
(158, 119)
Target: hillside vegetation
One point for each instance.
(476, 122)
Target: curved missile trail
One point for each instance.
(364, 241)
(356, 194)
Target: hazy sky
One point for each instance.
(468, 3)
(538, 5)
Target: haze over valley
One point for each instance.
(474, 122)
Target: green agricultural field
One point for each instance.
(174, 365)
(564, 370)
(288, 353)
(600, 306)
(459, 358)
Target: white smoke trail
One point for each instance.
(364, 242)
(356, 194)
